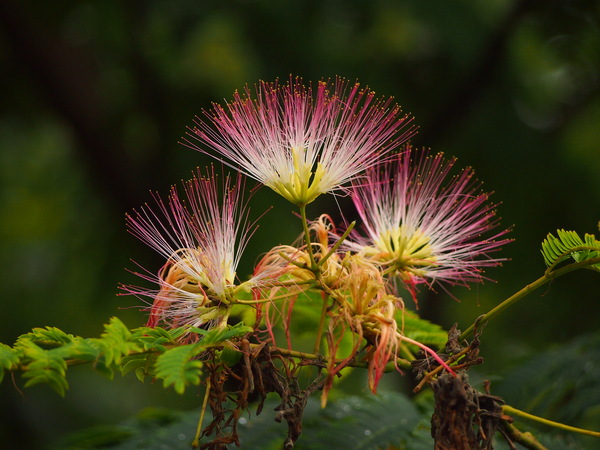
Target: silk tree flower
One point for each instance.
(299, 144)
(423, 224)
(202, 237)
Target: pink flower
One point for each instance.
(202, 238)
(424, 225)
(298, 144)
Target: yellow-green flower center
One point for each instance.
(406, 251)
(189, 273)
(303, 183)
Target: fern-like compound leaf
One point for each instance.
(568, 244)
(421, 330)
(154, 339)
(115, 343)
(45, 366)
(48, 337)
(178, 368)
(9, 358)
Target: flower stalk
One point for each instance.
(561, 426)
(548, 276)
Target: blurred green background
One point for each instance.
(95, 96)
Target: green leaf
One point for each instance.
(560, 384)
(388, 420)
(421, 330)
(375, 421)
(9, 358)
(79, 349)
(305, 322)
(150, 429)
(114, 344)
(155, 339)
(177, 368)
(97, 437)
(141, 364)
(45, 366)
(217, 336)
(49, 336)
(567, 245)
(229, 356)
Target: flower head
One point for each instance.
(299, 144)
(202, 238)
(424, 225)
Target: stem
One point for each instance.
(399, 362)
(338, 243)
(320, 358)
(295, 354)
(267, 300)
(196, 441)
(568, 253)
(405, 351)
(291, 261)
(547, 277)
(516, 412)
(309, 249)
(438, 369)
(430, 351)
(525, 438)
(321, 326)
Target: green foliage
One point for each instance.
(387, 420)
(112, 346)
(178, 367)
(567, 245)
(49, 336)
(421, 330)
(44, 354)
(9, 359)
(44, 367)
(219, 336)
(377, 421)
(559, 384)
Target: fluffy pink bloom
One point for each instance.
(423, 224)
(202, 238)
(299, 144)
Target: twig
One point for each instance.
(547, 277)
(517, 412)
(196, 441)
(524, 438)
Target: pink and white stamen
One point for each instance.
(299, 141)
(424, 224)
(201, 236)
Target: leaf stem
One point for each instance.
(338, 243)
(269, 299)
(321, 325)
(196, 441)
(321, 359)
(525, 438)
(547, 277)
(517, 412)
(309, 249)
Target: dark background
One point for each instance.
(95, 96)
